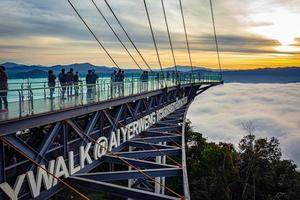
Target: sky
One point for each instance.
(251, 34)
(272, 109)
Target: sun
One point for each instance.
(281, 26)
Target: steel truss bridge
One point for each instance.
(128, 140)
(145, 161)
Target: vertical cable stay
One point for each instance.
(169, 36)
(96, 38)
(186, 36)
(154, 41)
(114, 32)
(127, 35)
(215, 35)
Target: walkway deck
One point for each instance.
(32, 101)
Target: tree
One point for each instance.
(254, 171)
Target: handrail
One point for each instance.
(32, 100)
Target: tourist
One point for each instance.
(3, 90)
(89, 84)
(94, 81)
(142, 81)
(113, 79)
(122, 78)
(70, 80)
(51, 83)
(118, 82)
(146, 80)
(63, 82)
(76, 83)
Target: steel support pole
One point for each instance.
(2, 167)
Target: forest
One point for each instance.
(253, 170)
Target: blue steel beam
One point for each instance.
(135, 162)
(134, 174)
(90, 126)
(168, 138)
(2, 167)
(46, 194)
(171, 120)
(156, 133)
(165, 128)
(22, 146)
(131, 112)
(146, 146)
(164, 124)
(150, 153)
(109, 118)
(122, 191)
(119, 113)
(47, 142)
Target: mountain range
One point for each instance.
(262, 75)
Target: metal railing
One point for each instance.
(33, 100)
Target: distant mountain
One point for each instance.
(185, 68)
(15, 70)
(35, 73)
(82, 68)
(264, 75)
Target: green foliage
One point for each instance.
(221, 172)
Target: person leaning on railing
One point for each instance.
(51, 83)
(3, 90)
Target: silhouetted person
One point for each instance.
(76, 83)
(51, 83)
(94, 81)
(122, 78)
(63, 82)
(70, 80)
(89, 82)
(120, 81)
(113, 79)
(3, 90)
(144, 80)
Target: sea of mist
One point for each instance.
(272, 109)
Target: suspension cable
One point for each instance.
(169, 36)
(82, 196)
(215, 35)
(127, 35)
(154, 41)
(186, 36)
(112, 29)
(96, 38)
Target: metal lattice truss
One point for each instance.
(138, 168)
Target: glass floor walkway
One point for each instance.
(33, 100)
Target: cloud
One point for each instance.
(273, 108)
(31, 20)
